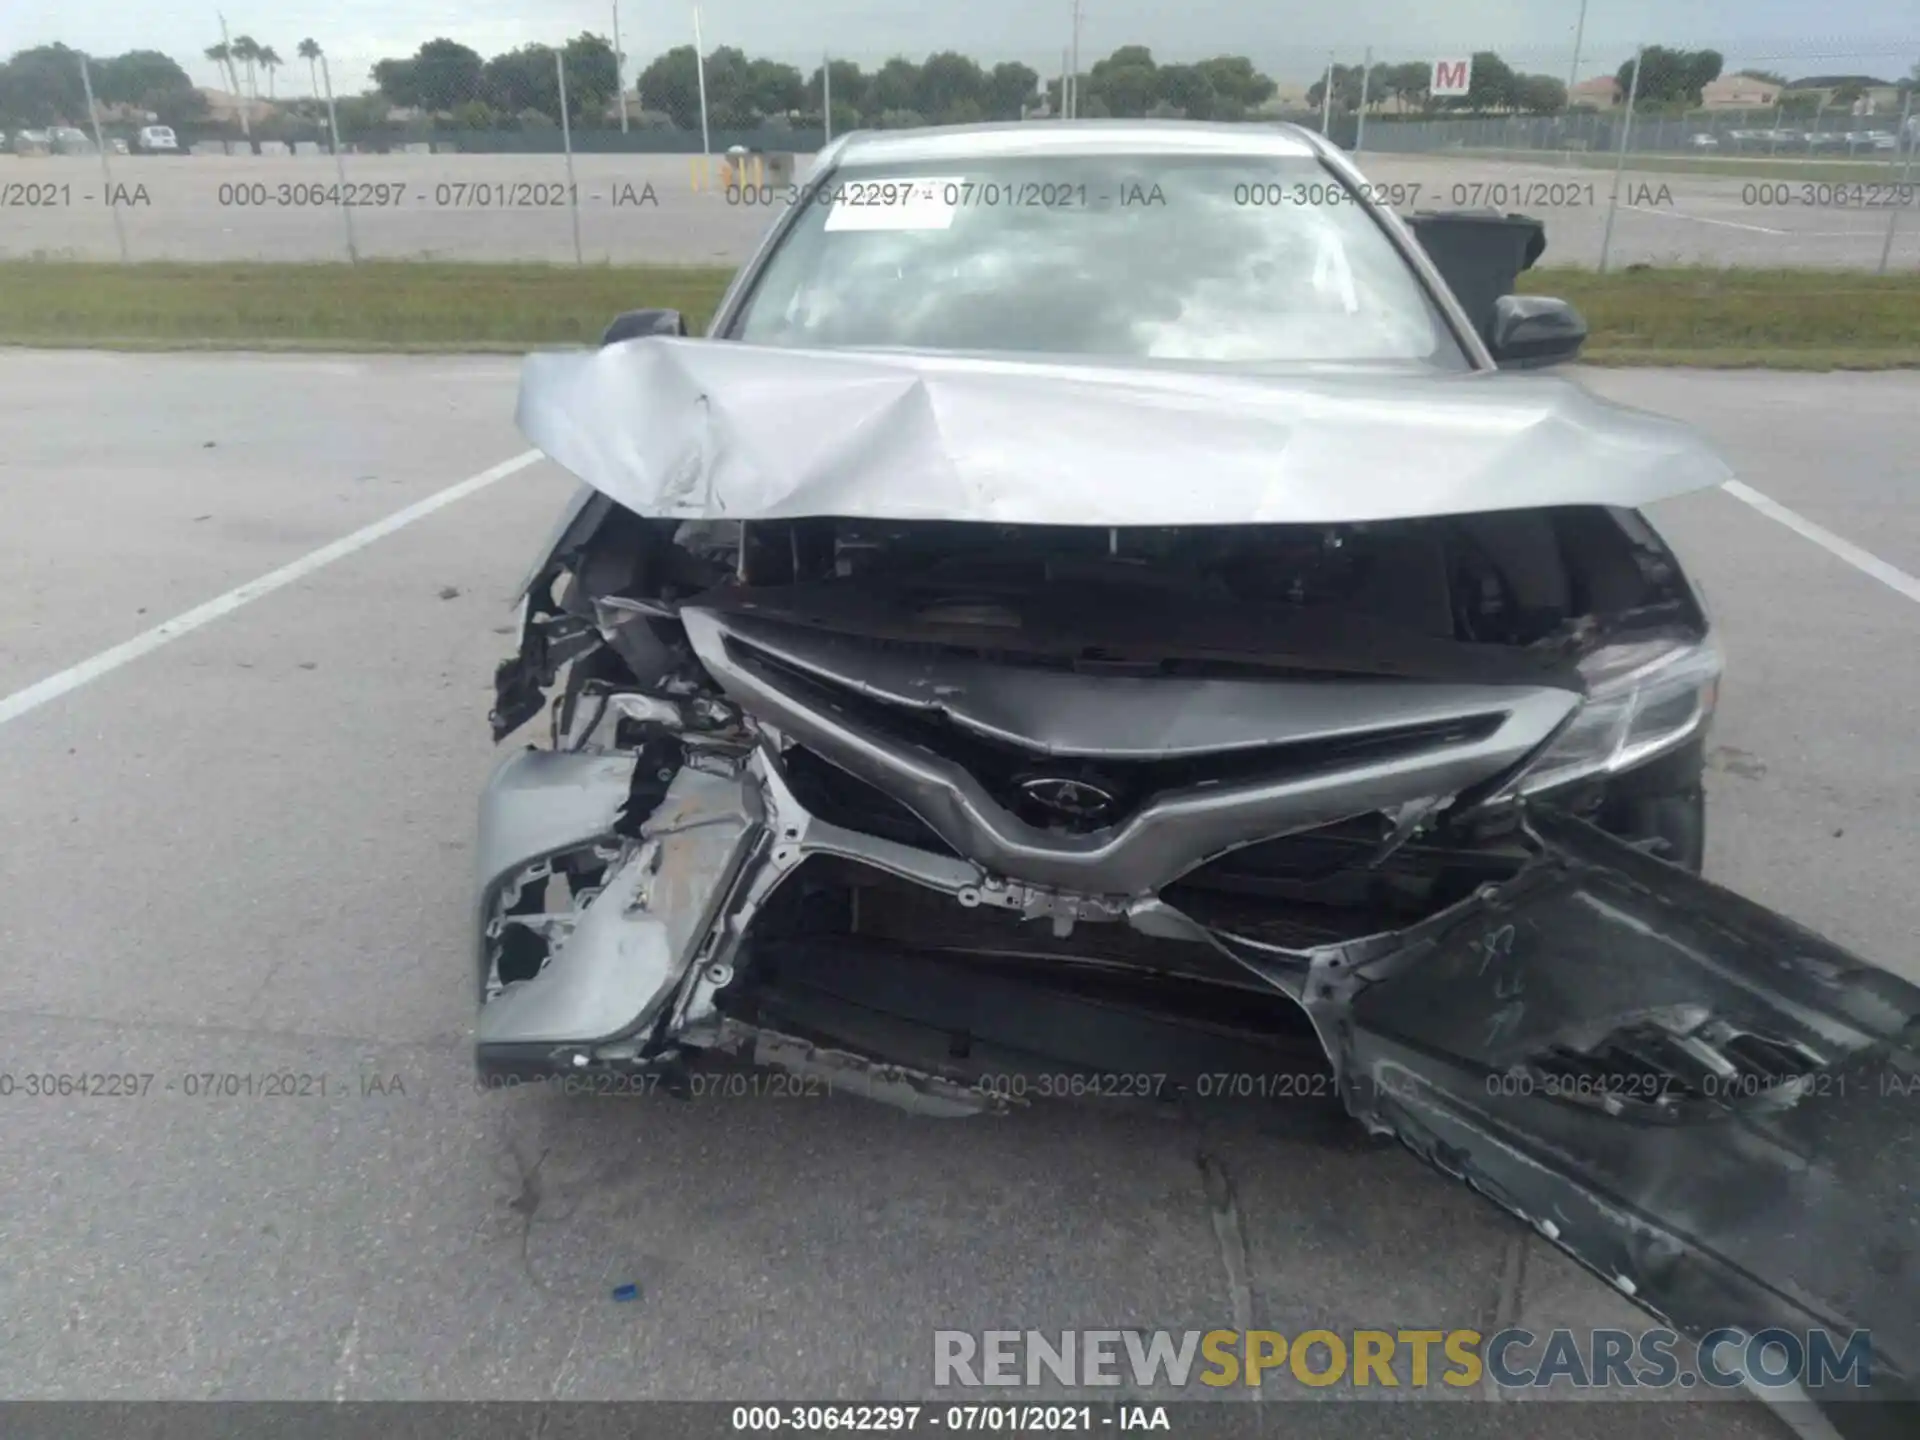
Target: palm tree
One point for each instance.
(270, 61)
(309, 51)
(246, 50)
(222, 55)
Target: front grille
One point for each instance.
(831, 794)
(1003, 768)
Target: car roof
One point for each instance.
(1016, 138)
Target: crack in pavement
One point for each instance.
(1229, 1229)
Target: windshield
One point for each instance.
(1224, 258)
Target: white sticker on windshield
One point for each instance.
(907, 203)
(1332, 273)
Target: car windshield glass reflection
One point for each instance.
(1212, 259)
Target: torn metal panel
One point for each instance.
(539, 803)
(1706, 1105)
(633, 941)
(699, 430)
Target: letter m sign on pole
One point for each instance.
(1452, 77)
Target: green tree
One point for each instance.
(1346, 88)
(521, 80)
(849, 89)
(896, 86)
(948, 81)
(362, 115)
(438, 76)
(1492, 87)
(1672, 75)
(1539, 94)
(1010, 89)
(311, 52)
(774, 88)
(149, 81)
(1188, 89)
(1415, 84)
(672, 84)
(1127, 82)
(222, 55)
(474, 115)
(593, 77)
(246, 50)
(1238, 85)
(270, 61)
(42, 86)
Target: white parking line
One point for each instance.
(1702, 219)
(22, 702)
(1892, 576)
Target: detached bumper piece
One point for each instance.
(1712, 1109)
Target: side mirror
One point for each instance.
(1528, 331)
(636, 323)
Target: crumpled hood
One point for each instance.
(707, 430)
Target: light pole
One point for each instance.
(700, 67)
(1326, 99)
(1360, 124)
(619, 68)
(246, 121)
(1620, 160)
(1073, 113)
(1579, 34)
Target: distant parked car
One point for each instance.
(1882, 140)
(157, 140)
(28, 142)
(1700, 140)
(67, 140)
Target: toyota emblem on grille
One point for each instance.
(1069, 799)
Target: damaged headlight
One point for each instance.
(1644, 697)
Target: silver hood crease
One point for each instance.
(704, 430)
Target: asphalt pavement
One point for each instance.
(246, 854)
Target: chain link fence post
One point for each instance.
(566, 145)
(339, 163)
(1620, 160)
(1360, 120)
(1904, 139)
(106, 169)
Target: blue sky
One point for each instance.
(1289, 42)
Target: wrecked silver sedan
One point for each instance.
(1096, 602)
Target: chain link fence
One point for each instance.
(561, 155)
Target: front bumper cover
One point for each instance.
(1505, 1040)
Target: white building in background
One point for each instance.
(226, 108)
(1739, 92)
